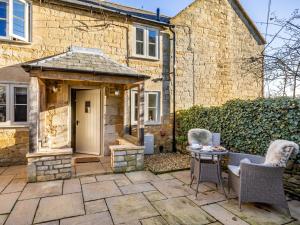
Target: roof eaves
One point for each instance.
(29, 67)
(89, 5)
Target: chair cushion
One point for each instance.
(199, 136)
(234, 169)
(279, 153)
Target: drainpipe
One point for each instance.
(174, 89)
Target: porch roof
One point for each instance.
(84, 60)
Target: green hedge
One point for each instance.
(245, 126)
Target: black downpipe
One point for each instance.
(174, 90)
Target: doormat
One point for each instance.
(87, 159)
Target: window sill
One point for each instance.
(12, 126)
(19, 42)
(144, 58)
(149, 124)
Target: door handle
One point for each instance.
(77, 122)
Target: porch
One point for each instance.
(79, 103)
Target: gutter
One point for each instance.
(91, 7)
(174, 89)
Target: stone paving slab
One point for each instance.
(207, 198)
(23, 212)
(165, 176)
(92, 219)
(136, 188)
(154, 196)
(71, 186)
(295, 209)
(58, 207)
(97, 206)
(223, 215)
(16, 185)
(123, 182)
(4, 181)
(182, 211)
(255, 215)
(184, 176)
(42, 189)
(108, 177)
(88, 180)
(2, 169)
(158, 220)
(142, 177)
(2, 219)
(7, 202)
(49, 223)
(127, 208)
(99, 190)
(171, 188)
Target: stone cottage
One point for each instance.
(80, 76)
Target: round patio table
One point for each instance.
(206, 167)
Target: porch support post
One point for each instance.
(141, 102)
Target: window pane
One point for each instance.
(3, 9)
(2, 113)
(20, 113)
(152, 100)
(152, 50)
(20, 95)
(2, 95)
(139, 34)
(3, 17)
(152, 36)
(152, 114)
(19, 18)
(140, 48)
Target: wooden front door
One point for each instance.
(88, 117)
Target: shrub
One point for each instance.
(245, 126)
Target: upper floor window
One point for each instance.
(13, 104)
(14, 20)
(146, 42)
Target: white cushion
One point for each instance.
(234, 169)
(279, 153)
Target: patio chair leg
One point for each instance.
(240, 205)
(197, 189)
(192, 180)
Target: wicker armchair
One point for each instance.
(256, 182)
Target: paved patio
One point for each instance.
(134, 198)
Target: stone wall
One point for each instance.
(292, 178)
(212, 43)
(14, 145)
(126, 157)
(52, 165)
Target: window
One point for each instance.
(3, 104)
(14, 20)
(152, 107)
(13, 104)
(146, 42)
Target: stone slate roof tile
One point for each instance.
(85, 60)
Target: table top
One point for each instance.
(203, 152)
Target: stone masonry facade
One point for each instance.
(126, 157)
(211, 38)
(14, 145)
(212, 46)
(48, 166)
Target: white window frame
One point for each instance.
(7, 19)
(146, 103)
(7, 104)
(146, 42)
(10, 104)
(10, 17)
